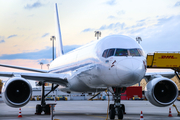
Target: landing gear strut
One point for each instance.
(43, 106)
(117, 108)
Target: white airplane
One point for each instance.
(114, 62)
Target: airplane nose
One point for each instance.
(130, 71)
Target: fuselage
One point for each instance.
(115, 60)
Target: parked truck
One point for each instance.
(132, 93)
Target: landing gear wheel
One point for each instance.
(112, 111)
(120, 113)
(47, 110)
(38, 109)
(123, 108)
(112, 114)
(111, 106)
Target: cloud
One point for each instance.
(2, 41)
(46, 34)
(11, 36)
(177, 4)
(111, 17)
(41, 54)
(160, 34)
(34, 5)
(87, 30)
(112, 26)
(121, 12)
(111, 2)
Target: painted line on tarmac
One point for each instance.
(96, 116)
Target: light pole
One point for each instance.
(48, 65)
(138, 39)
(97, 34)
(41, 63)
(53, 38)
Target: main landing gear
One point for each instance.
(43, 107)
(117, 108)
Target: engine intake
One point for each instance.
(17, 92)
(161, 92)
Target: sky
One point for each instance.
(26, 26)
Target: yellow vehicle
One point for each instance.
(164, 60)
(60, 97)
(136, 98)
(38, 98)
(1, 84)
(49, 98)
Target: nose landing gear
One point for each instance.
(117, 108)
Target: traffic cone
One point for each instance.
(19, 116)
(170, 115)
(141, 116)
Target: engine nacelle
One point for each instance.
(16, 92)
(161, 92)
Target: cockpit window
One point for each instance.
(121, 52)
(134, 52)
(111, 52)
(105, 53)
(141, 52)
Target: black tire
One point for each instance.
(38, 109)
(112, 111)
(112, 114)
(47, 110)
(123, 108)
(120, 113)
(111, 106)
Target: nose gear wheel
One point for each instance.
(117, 108)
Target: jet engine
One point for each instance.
(161, 91)
(16, 92)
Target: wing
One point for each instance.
(25, 68)
(43, 77)
(59, 78)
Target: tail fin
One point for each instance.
(59, 45)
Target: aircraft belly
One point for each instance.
(77, 85)
(91, 78)
(86, 79)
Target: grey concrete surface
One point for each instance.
(89, 110)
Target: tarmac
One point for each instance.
(88, 110)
